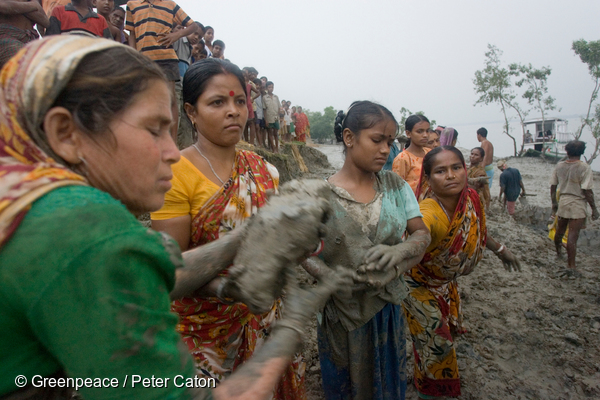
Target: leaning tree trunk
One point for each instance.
(506, 128)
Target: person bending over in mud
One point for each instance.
(215, 188)
(361, 337)
(455, 216)
(85, 287)
(573, 178)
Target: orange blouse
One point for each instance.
(408, 166)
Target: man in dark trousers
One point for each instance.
(511, 185)
(573, 178)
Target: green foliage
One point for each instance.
(589, 54)
(535, 82)
(405, 113)
(321, 124)
(493, 85)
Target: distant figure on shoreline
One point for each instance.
(574, 179)
(488, 147)
(511, 185)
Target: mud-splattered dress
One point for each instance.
(433, 303)
(361, 339)
(223, 336)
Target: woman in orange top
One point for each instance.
(408, 163)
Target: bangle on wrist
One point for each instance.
(500, 250)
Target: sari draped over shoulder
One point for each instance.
(30, 83)
(223, 336)
(433, 304)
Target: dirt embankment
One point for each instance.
(291, 160)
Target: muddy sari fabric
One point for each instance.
(483, 188)
(432, 306)
(31, 81)
(362, 345)
(223, 336)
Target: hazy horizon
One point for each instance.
(418, 55)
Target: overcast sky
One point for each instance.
(421, 55)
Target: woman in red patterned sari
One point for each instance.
(215, 187)
(302, 125)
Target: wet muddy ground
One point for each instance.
(531, 335)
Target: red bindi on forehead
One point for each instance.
(231, 93)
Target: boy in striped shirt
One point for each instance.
(151, 23)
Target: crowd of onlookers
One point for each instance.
(165, 33)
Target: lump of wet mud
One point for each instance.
(287, 229)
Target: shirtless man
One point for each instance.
(17, 19)
(488, 147)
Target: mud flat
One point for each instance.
(531, 335)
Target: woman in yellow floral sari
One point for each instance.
(215, 188)
(454, 214)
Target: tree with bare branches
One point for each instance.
(493, 85)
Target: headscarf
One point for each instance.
(29, 85)
(446, 137)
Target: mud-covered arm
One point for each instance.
(589, 197)
(383, 263)
(479, 181)
(502, 187)
(314, 266)
(203, 264)
(511, 263)
(257, 377)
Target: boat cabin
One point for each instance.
(550, 138)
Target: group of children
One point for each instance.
(164, 32)
(268, 118)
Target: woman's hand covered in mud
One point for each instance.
(382, 264)
(511, 263)
(301, 304)
(383, 257)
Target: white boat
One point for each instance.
(549, 139)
